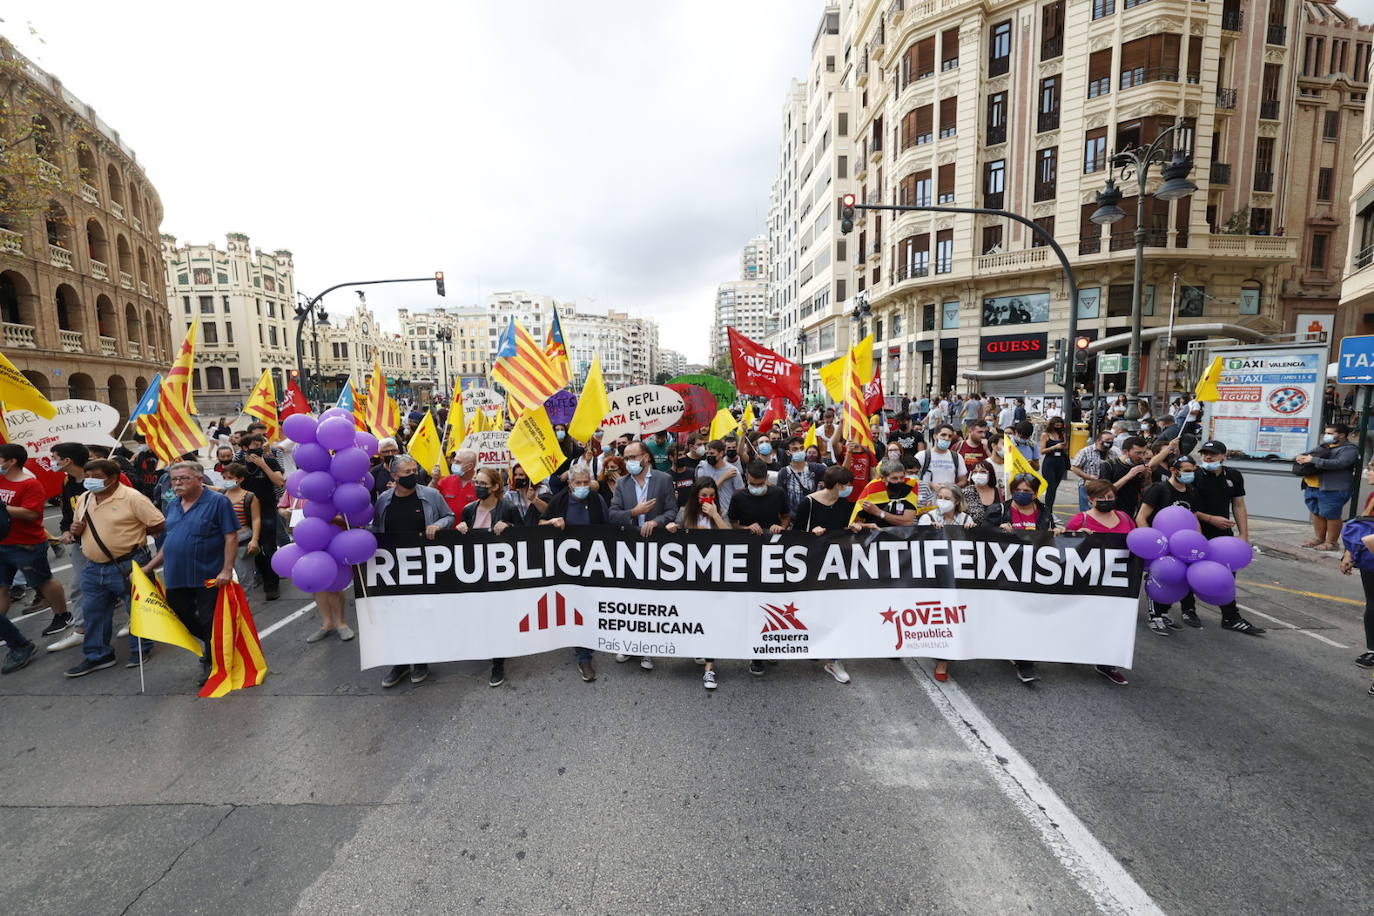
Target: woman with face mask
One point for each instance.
(1023, 511)
(612, 472)
(525, 498)
(982, 493)
(249, 512)
(1054, 457)
(949, 513)
(825, 510)
(1104, 517)
(491, 511)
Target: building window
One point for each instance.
(214, 378)
(1099, 73)
(1046, 173)
(207, 305)
(186, 304)
(944, 185)
(1325, 178)
(842, 124)
(921, 190)
(225, 304)
(842, 167)
(1321, 242)
(949, 49)
(1154, 57)
(949, 116)
(1049, 104)
(209, 332)
(234, 383)
(1119, 300)
(1052, 30)
(1046, 223)
(272, 335)
(992, 239)
(1103, 8)
(944, 251)
(1095, 150)
(999, 49)
(997, 118)
(1331, 125)
(994, 183)
(1261, 220)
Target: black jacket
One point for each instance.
(504, 512)
(596, 507)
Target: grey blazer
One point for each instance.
(660, 488)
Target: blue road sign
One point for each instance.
(1355, 364)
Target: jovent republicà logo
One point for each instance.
(542, 621)
(933, 615)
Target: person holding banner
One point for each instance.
(896, 509)
(829, 508)
(490, 511)
(798, 479)
(1023, 511)
(646, 496)
(577, 506)
(525, 498)
(983, 494)
(1103, 517)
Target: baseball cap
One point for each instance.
(1212, 446)
(1182, 459)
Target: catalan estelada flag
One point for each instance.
(179, 377)
(352, 401)
(263, 405)
(383, 414)
(524, 370)
(169, 430)
(856, 427)
(557, 350)
(236, 659)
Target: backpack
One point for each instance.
(1353, 534)
(145, 464)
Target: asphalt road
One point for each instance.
(1231, 776)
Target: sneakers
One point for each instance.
(1112, 674)
(418, 673)
(1026, 672)
(708, 680)
(621, 658)
(135, 659)
(1370, 691)
(498, 675)
(58, 623)
(1169, 622)
(319, 635)
(70, 641)
(345, 632)
(395, 675)
(699, 661)
(756, 667)
(271, 594)
(588, 672)
(1241, 625)
(122, 632)
(87, 666)
(646, 663)
(18, 658)
(1159, 624)
(1191, 618)
(1366, 660)
(836, 670)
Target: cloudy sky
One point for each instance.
(616, 153)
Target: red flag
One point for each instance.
(777, 411)
(873, 393)
(294, 402)
(758, 370)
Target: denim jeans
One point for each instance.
(11, 635)
(582, 654)
(106, 586)
(1083, 505)
(75, 593)
(31, 558)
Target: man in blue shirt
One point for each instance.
(201, 545)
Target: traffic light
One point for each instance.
(1080, 355)
(439, 281)
(847, 213)
(1061, 362)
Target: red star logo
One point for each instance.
(889, 615)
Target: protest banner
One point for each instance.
(486, 400)
(87, 422)
(699, 406)
(491, 448)
(561, 406)
(641, 409)
(951, 594)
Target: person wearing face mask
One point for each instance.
(1054, 458)
(71, 458)
(682, 472)
(938, 464)
(528, 500)
(973, 449)
(457, 488)
(1103, 516)
(1023, 511)
(1136, 470)
(949, 513)
(249, 512)
(764, 450)
(645, 498)
(799, 478)
(612, 472)
(860, 459)
(887, 501)
(657, 445)
(490, 511)
(1087, 464)
(263, 478)
(694, 451)
(575, 507)
(700, 511)
(983, 494)
(1326, 489)
(727, 473)
(759, 508)
(1176, 489)
(1220, 494)
(1357, 555)
(1021, 437)
(25, 546)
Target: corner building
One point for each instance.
(1020, 106)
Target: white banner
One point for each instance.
(641, 409)
(86, 422)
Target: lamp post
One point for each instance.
(318, 316)
(445, 337)
(801, 361)
(1135, 163)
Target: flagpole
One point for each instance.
(142, 687)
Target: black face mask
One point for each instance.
(712, 460)
(731, 455)
(481, 490)
(519, 484)
(897, 490)
(408, 481)
(1106, 505)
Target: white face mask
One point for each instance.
(944, 506)
(980, 479)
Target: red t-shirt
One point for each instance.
(457, 492)
(861, 465)
(26, 494)
(972, 454)
(1084, 520)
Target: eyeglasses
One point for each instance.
(181, 479)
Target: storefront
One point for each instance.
(1013, 351)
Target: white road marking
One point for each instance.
(60, 568)
(289, 618)
(1083, 856)
(1283, 623)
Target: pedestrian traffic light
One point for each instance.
(1061, 362)
(847, 213)
(439, 281)
(1080, 355)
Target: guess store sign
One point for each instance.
(1014, 346)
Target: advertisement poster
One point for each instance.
(1270, 404)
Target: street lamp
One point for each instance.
(801, 361)
(445, 337)
(1135, 163)
(318, 317)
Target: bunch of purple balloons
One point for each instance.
(1182, 559)
(333, 460)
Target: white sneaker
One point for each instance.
(70, 641)
(646, 663)
(122, 632)
(836, 670)
(699, 661)
(708, 680)
(621, 657)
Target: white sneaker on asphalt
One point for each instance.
(646, 663)
(702, 661)
(122, 632)
(70, 641)
(836, 670)
(621, 657)
(708, 680)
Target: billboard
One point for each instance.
(1270, 400)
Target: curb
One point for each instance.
(1328, 559)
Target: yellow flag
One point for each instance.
(723, 424)
(1207, 385)
(151, 617)
(424, 445)
(18, 393)
(833, 374)
(592, 407)
(457, 420)
(746, 422)
(1018, 464)
(533, 444)
(810, 439)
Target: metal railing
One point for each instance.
(1090, 245)
(1220, 173)
(997, 134)
(1276, 34)
(1226, 98)
(1232, 20)
(1099, 87)
(999, 65)
(1052, 47)
(910, 272)
(1047, 120)
(1264, 181)
(992, 200)
(1124, 241)
(1269, 109)
(1364, 257)
(1138, 76)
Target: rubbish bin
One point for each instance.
(1078, 438)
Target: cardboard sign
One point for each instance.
(699, 406)
(87, 422)
(561, 406)
(641, 409)
(491, 448)
(483, 399)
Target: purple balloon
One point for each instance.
(1189, 546)
(336, 433)
(336, 412)
(349, 464)
(293, 482)
(343, 581)
(1174, 518)
(311, 457)
(313, 534)
(360, 518)
(320, 508)
(1148, 543)
(1220, 598)
(351, 497)
(1231, 552)
(1208, 577)
(356, 545)
(1169, 570)
(365, 441)
(1163, 592)
(299, 428)
(285, 558)
(315, 571)
(316, 485)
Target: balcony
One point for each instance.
(1264, 181)
(1226, 99)
(997, 135)
(1047, 120)
(1252, 246)
(1269, 109)
(861, 75)
(135, 350)
(89, 194)
(1276, 35)
(59, 257)
(910, 272)
(1052, 47)
(1124, 241)
(1011, 261)
(1139, 76)
(49, 172)
(1364, 257)
(109, 346)
(71, 341)
(1090, 245)
(1220, 173)
(1232, 20)
(136, 223)
(999, 65)
(19, 335)
(894, 11)
(878, 44)
(143, 288)
(992, 200)
(11, 241)
(100, 270)
(875, 152)
(875, 254)
(117, 209)
(126, 279)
